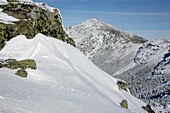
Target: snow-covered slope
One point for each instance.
(150, 77)
(142, 64)
(65, 81)
(107, 47)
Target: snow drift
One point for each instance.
(65, 81)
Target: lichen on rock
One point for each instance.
(21, 73)
(21, 65)
(123, 85)
(33, 20)
(124, 104)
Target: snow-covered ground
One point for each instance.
(65, 81)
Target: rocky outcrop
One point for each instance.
(148, 109)
(124, 104)
(123, 85)
(33, 19)
(21, 65)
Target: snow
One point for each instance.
(65, 81)
(3, 2)
(44, 6)
(145, 66)
(25, 0)
(5, 18)
(41, 5)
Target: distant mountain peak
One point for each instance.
(91, 22)
(93, 19)
(100, 29)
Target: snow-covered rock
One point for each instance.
(65, 81)
(24, 17)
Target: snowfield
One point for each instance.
(65, 81)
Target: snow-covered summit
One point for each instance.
(92, 22)
(101, 27)
(105, 45)
(65, 81)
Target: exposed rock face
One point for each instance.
(148, 109)
(124, 104)
(21, 65)
(33, 19)
(122, 85)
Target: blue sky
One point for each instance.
(147, 18)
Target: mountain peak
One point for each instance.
(95, 38)
(95, 22)
(93, 19)
(100, 29)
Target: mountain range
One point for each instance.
(143, 64)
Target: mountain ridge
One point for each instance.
(143, 65)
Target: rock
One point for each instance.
(21, 73)
(33, 20)
(29, 63)
(124, 104)
(21, 65)
(148, 109)
(122, 85)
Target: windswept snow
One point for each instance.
(65, 81)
